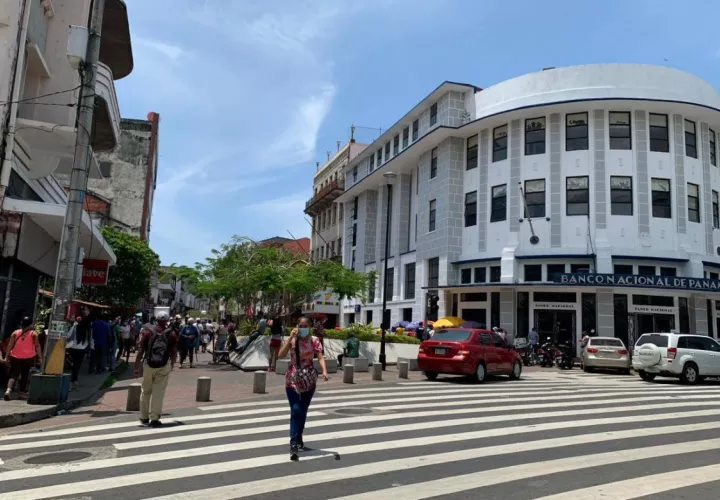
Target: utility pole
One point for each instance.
(67, 260)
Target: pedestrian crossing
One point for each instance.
(551, 435)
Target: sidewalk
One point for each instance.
(18, 412)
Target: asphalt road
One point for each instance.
(552, 435)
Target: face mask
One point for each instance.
(303, 331)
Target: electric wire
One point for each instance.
(28, 99)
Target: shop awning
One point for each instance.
(46, 293)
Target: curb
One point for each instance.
(28, 417)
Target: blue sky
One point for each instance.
(252, 93)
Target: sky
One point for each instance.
(251, 93)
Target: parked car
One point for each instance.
(605, 352)
(473, 352)
(679, 355)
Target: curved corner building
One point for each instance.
(570, 199)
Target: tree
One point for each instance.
(129, 279)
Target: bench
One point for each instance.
(359, 364)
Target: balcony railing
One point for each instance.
(324, 197)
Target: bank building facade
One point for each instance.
(571, 199)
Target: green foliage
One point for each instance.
(365, 333)
(129, 278)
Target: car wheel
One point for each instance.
(625, 372)
(587, 369)
(431, 375)
(647, 377)
(480, 373)
(690, 374)
(516, 371)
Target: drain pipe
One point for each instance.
(8, 141)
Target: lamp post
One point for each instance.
(389, 178)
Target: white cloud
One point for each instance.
(170, 51)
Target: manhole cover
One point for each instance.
(353, 411)
(58, 458)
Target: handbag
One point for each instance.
(305, 378)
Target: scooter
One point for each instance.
(564, 356)
(546, 354)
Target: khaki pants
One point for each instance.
(154, 383)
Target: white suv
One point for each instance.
(689, 357)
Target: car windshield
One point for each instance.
(653, 338)
(452, 335)
(606, 342)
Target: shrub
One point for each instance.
(364, 333)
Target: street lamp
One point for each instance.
(389, 179)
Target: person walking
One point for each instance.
(300, 379)
(100, 337)
(77, 347)
(158, 347)
(188, 335)
(221, 337)
(276, 338)
(23, 350)
(125, 342)
(351, 348)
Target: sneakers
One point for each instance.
(301, 445)
(155, 424)
(294, 453)
(7, 395)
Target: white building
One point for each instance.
(38, 92)
(618, 165)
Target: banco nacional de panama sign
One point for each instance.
(634, 280)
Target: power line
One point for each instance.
(41, 96)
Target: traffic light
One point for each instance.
(432, 303)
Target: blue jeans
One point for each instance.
(299, 404)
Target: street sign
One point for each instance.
(95, 272)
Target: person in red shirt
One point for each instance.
(158, 348)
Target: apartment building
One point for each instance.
(38, 89)
(571, 199)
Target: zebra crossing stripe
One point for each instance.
(646, 485)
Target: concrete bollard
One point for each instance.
(133, 397)
(202, 394)
(259, 382)
(348, 372)
(377, 372)
(403, 367)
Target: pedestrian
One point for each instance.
(221, 337)
(100, 338)
(300, 379)
(319, 331)
(23, 351)
(276, 338)
(160, 344)
(205, 339)
(77, 346)
(125, 342)
(188, 335)
(351, 348)
(113, 343)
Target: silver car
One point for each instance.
(606, 352)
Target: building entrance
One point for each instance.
(655, 323)
(479, 315)
(558, 325)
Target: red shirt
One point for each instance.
(172, 340)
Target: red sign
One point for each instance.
(95, 272)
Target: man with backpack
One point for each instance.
(158, 347)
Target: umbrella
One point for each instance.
(448, 322)
(402, 324)
(472, 324)
(413, 326)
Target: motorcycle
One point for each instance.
(546, 354)
(564, 357)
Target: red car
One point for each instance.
(464, 351)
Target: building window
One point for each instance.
(406, 137)
(690, 139)
(661, 198)
(431, 217)
(620, 130)
(577, 195)
(498, 207)
(533, 272)
(354, 235)
(553, 269)
(396, 145)
(355, 208)
(623, 269)
(576, 132)
(434, 272)
(535, 198)
(470, 209)
(621, 195)
(354, 175)
(339, 245)
(715, 210)
(668, 271)
(387, 151)
(465, 276)
(415, 130)
(379, 157)
(433, 114)
(500, 143)
(579, 268)
(371, 292)
(659, 135)
(646, 270)
(480, 274)
(495, 274)
(713, 148)
(433, 163)
(372, 163)
(352, 262)
(535, 136)
(693, 197)
(410, 280)
(471, 153)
